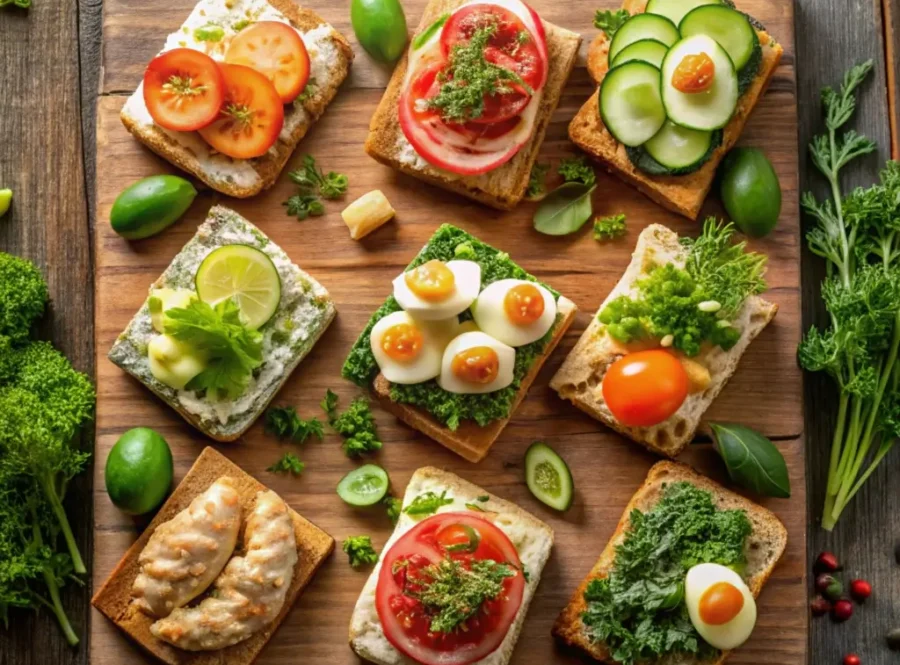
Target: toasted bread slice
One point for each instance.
(765, 546)
(683, 194)
(114, 598)
(503, 187)
(580, 377)
(532, 538)
(330, 57)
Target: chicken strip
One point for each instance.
(249, 594)
(185, 554)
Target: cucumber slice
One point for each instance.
(630, 102)
(245, 274)
(643, 161)
(731, 30)
(675, 10)
(678, 147)
(364, 486)
(707, 110)
(643, 26)
(548, 477)
(645, 50)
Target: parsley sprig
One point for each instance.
(609, 228)
(609, 21)
(576, 169)
(289, 463)
(536, 188)
(359, 550)
(313, 183)
(284, 423)
(356, 425)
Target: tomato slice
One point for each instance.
(645, 388)
(276, 50)
(462, 538)
(183, 89)
(251, 116)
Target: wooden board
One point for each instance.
(765, 393)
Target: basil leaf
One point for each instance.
(752, 460)
(564, 210)
(422, 38)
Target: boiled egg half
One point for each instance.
(474, 362)
(410, 351)
(515, 311)
(436, 290)
(720, 605)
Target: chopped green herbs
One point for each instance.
(209, 33)
(576, 169)
(360, 551)
(312, 183)
(303, 206)
(284, 423)
(536, 187)
(392, 506)
(289, 463)
(610, 21)
(427, 504)
(609, 228)
(356, 425)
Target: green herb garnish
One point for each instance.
(610, 21)
(427, 504)
(360, 551)
(536, 181)
(576, 169)
(392, 506)
(608, 228)
(284, 423)
(302, 206)
(331, 185)
(209, 33)
(237, 26)
(289, 463)
(356, 425)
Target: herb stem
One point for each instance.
(60, 513)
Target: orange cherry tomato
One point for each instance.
(478, 365)
(276, 50)
(432, 281)
(183, 89)
(720, 603)
(251, 116)
(695, 73)
(402, 342)
(645, 388)
(523, 304)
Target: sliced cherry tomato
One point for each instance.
(276, 50)
(183, 89)
(251, 116)
(645, 388)
(462, 538)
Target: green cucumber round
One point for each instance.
(630, 102)
(364, 486)
(646, 50)
(730, 28)
(548, 477)
(643, 26)
(677, 147)
(675, 10)
(642, 160)
(150, 206)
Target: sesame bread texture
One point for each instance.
(532, 538)
(580, 377)
(683, 194)
(765, 546)
(502, 187)
(330, 58)
(114, 600)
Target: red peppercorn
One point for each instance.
(842, 610)
(826, 563)
(820, 606)
(852, 659)
(860, 590)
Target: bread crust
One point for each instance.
(113, 599)
(682, 194)
(269, 166)
(766, 545)
(505, 186)
(471, 441)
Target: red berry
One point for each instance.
(851, 659)
(826, 563)
(820, 606)
(860, 590)
(842, 610)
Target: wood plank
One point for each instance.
(764, 393)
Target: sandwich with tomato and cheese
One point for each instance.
(236, 88)
(469, 103)
(454, 581)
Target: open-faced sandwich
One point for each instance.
(469, 103)
(677, 81)
(216, 571)
(455, 348)
(224, 326)
(678, 581)
(236, 88)
(455, 579)
(669, 336)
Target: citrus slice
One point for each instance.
(245, 274)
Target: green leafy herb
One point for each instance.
(209, 33)
(234, 351)
(331, 185)
(427, 504)
(565, 209)
(308, 90)
(23, 297)
(576, 169)
(329, 404)
(289, 463)
(610, 21)
(302, 206)
(237, 26)
(752, 460)
(464, 250)
(356, 425)
(638, 611)
(535, 189)
(484, 498)
(284, 423)
(609, 228)
(360, 551)
(425, 36)
(392, 506)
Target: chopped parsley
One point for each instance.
(290, 463)
(356, 425)
(536, 187)
(609, 228)
(610, 21)
(392, 505)
(284, 423)
(427, 504)
(576, 169)
(359, 550)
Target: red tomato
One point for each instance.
(183, 89)
(276, 50)
(462, 537)
(251, 116)
(645, 388)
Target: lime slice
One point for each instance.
(245, 274)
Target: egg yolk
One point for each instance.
(402, 342)
(695, 73)
(720, 603)
(480, 365)
(432, 281)
(524, 304)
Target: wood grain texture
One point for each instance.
(866, 533)
(764, 393)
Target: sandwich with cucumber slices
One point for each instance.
(677, 80)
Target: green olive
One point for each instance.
(750, 191)
(150, 206)
(380, 26)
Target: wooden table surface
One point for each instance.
(51, 72)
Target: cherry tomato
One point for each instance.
(251, 116)
(183, 89)
(276, 50)
(645, 388)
